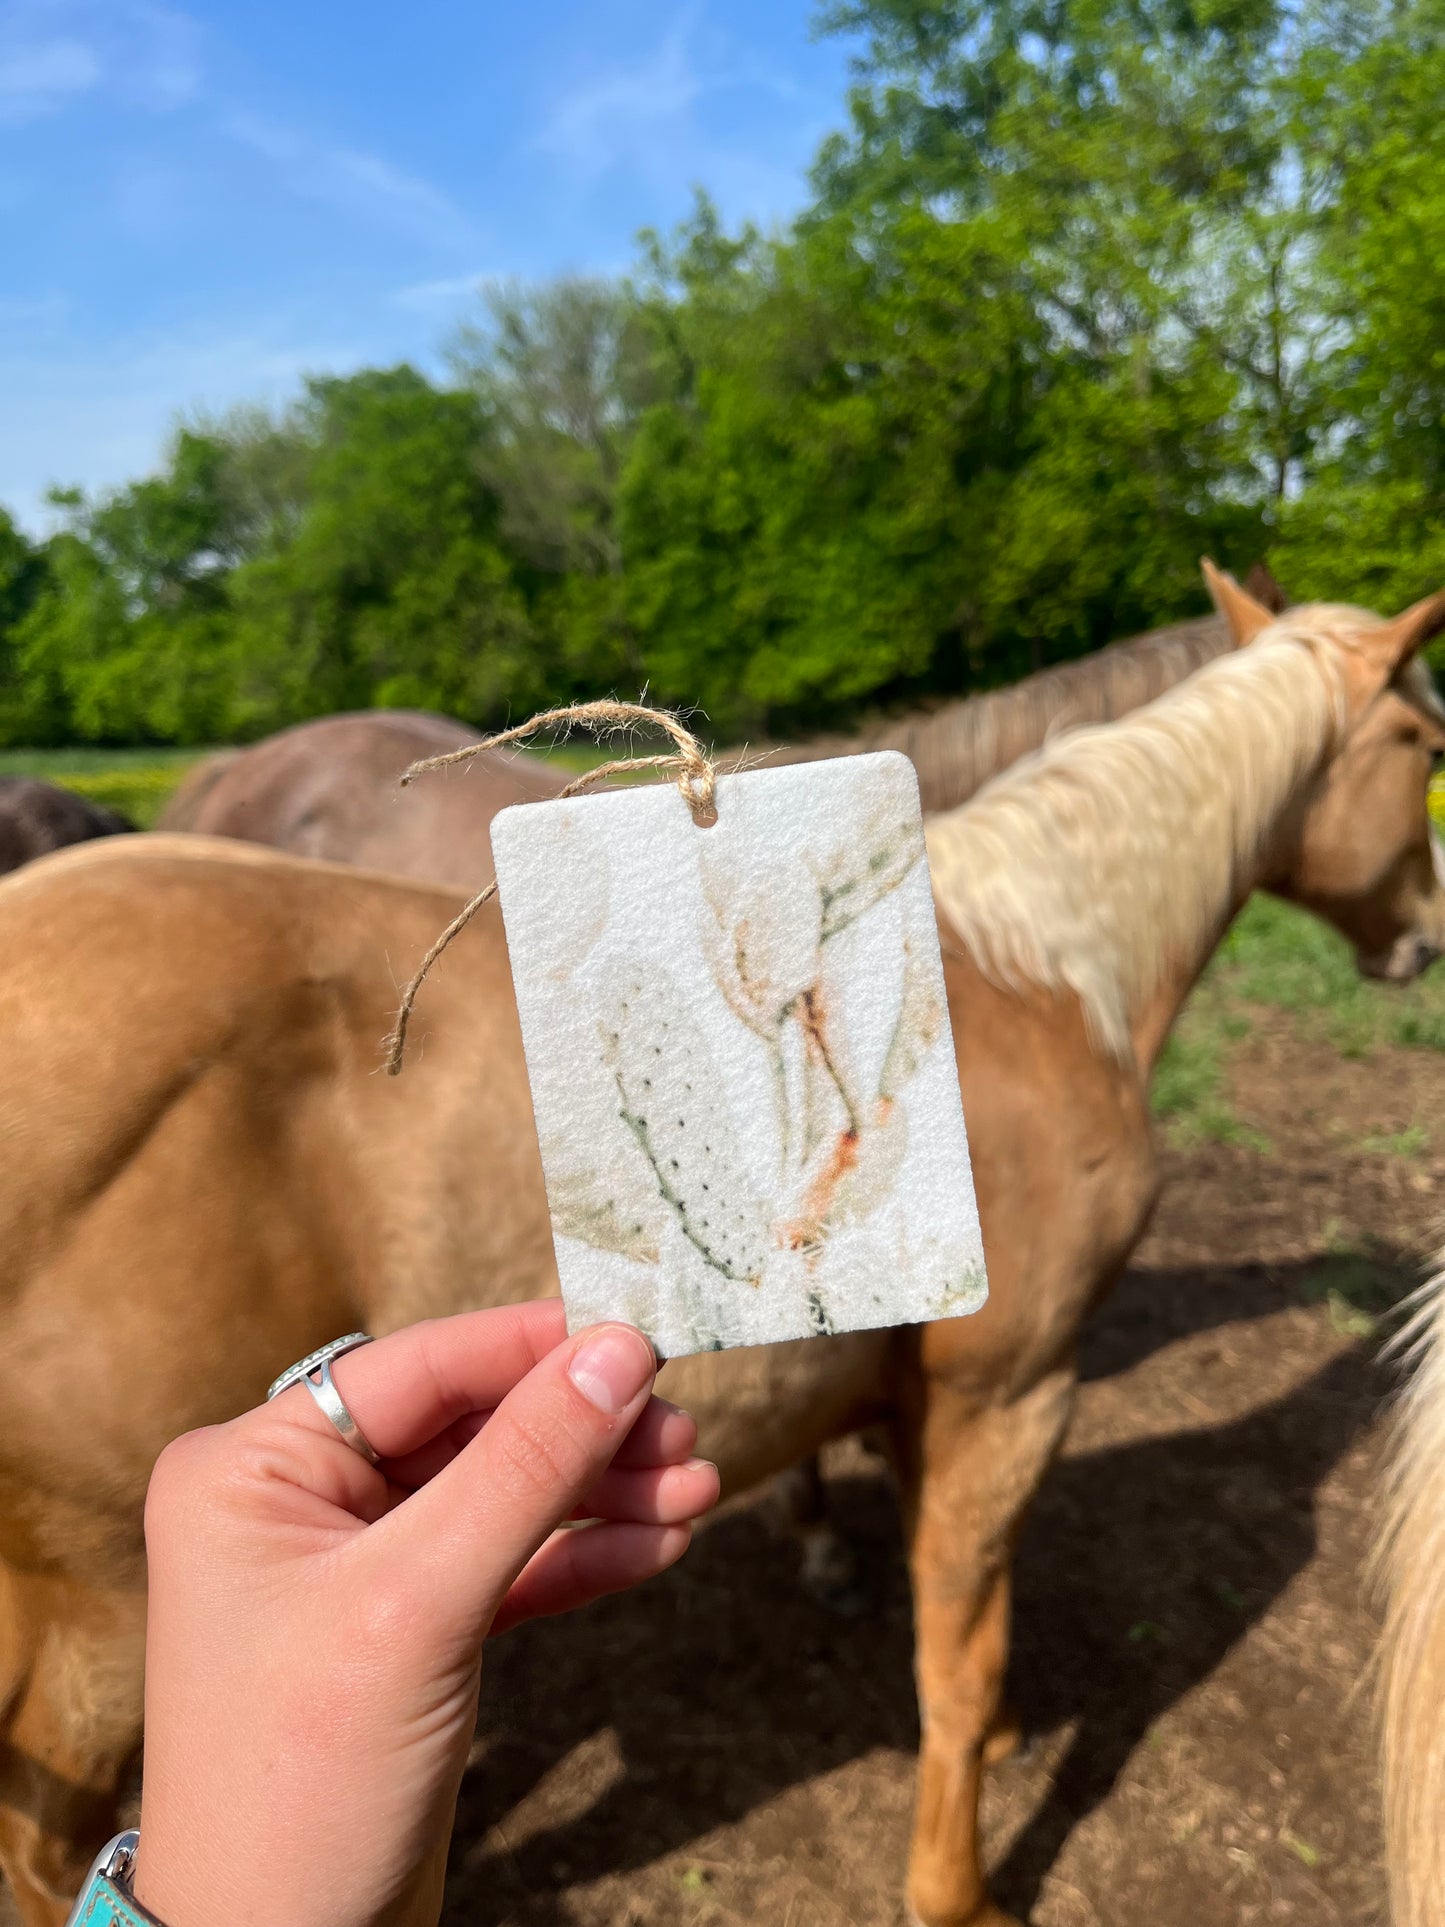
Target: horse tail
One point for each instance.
(1411, 1555)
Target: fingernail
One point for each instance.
(611, 1366)
(698, 1465)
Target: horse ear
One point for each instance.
(1245, 616)
(1391, 646)
(1263, 585)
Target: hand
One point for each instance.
(315, 1629)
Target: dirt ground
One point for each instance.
(1192, 1630)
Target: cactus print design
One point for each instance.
(740, 1057)
(667, 1083)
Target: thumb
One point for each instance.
(469, 1531)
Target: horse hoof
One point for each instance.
(830, 1576)
(1004, 1738)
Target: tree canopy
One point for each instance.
(1084, 288)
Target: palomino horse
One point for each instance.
(205, 1176)
(36, 818)
(1412, 1549)
(328, 788)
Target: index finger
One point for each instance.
(404, 1389)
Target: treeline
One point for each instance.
(1086, 287)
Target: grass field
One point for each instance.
(1275, 959)
(134, 781)
(137, 782)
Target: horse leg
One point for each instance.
(829, 1568)
(71, 1688)
(968, 1476)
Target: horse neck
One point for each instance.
(960, 747)
(1110, 864)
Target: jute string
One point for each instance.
(688, 764)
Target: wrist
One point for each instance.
(107, 1898)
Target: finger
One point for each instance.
(657, 1496)
(466, 1534)
(574, 1568)
(405, 1389)
(664, 1435)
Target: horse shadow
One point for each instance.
(718, 1687)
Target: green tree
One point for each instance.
(27, 712)
(392, 587)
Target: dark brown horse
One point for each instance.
(36, 818)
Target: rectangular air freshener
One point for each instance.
(740, 1057)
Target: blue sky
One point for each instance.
(199, 205)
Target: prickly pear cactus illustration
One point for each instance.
(585, 1205)
(881, 847)
(673, 1102)
(762, 936)
(810, 981)
(600, 1188)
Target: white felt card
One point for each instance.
(740, 1057)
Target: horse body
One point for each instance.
(330, 789)
(37, 817)
(208, 1177)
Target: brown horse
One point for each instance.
(204, 1175)
(1412, 1561)
(36, 818)
(328, 788)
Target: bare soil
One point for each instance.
(1193, 1632)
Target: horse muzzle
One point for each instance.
(1406, 959)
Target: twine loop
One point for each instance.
(688, 764)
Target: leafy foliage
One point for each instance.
(1086, 287)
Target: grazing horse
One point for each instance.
(1412, 1672)
(36, 818)
(204, 1176)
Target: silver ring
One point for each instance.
(322, 1387)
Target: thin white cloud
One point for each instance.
(651, 118)
(22, 314)
(54, 53)
(146, 55)
(100, 419)
(38, 77)
(614, 115)
(425, 295)
(350, 179)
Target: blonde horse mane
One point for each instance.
(958, 747)
(1410, 1560)
(1114, 853)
